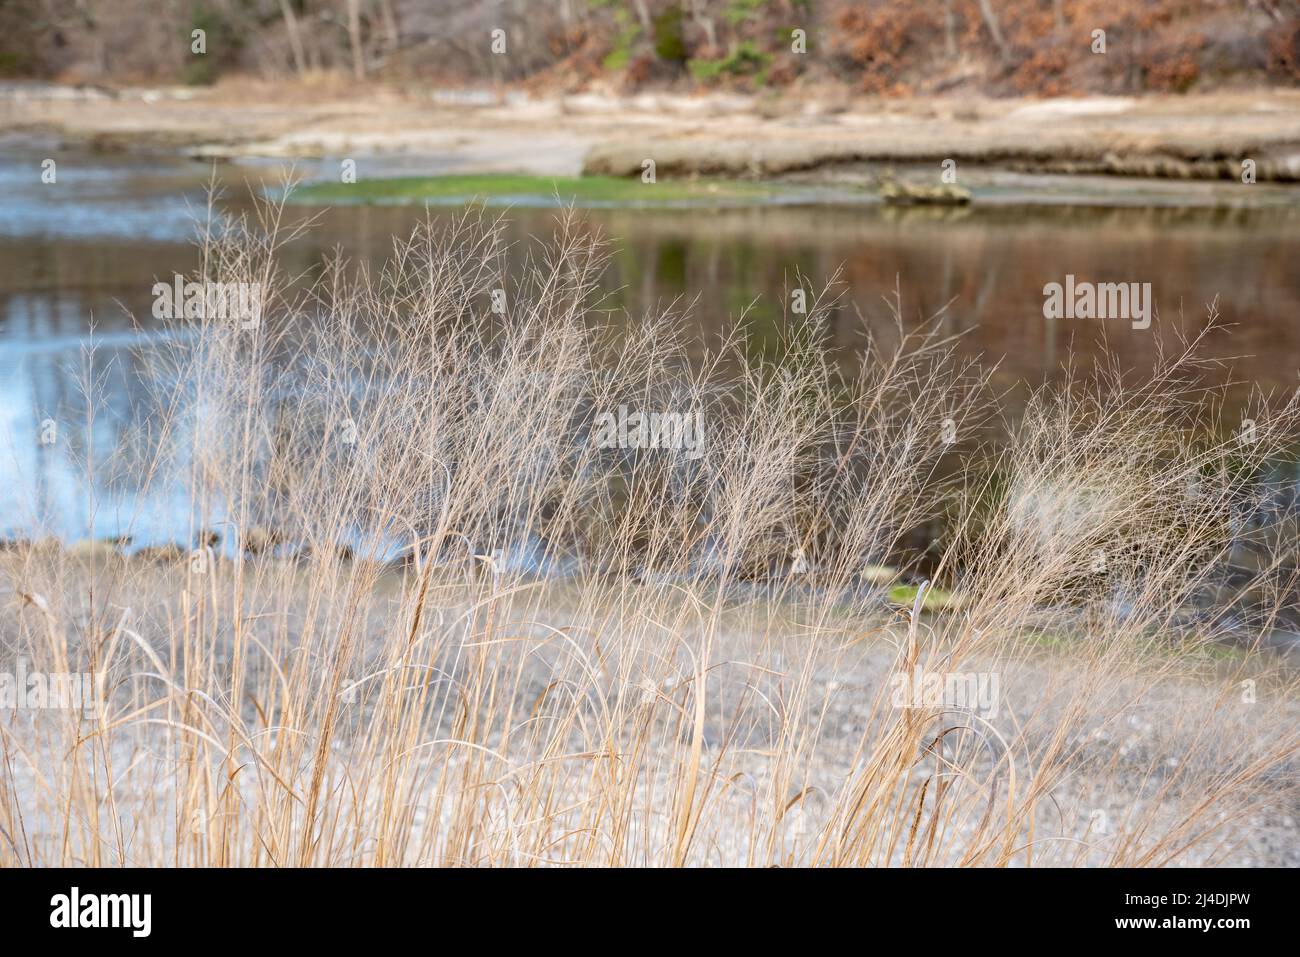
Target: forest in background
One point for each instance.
(878, 47)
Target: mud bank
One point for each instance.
(1205, 137)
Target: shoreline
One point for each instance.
(1185, 138)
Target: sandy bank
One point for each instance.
(1202, 137)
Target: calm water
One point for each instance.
(84, 254)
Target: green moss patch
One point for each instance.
(536, 191)
(936, 599)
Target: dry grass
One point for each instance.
(635, 657)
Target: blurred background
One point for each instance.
(1107, 139)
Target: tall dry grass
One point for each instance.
(440, 626)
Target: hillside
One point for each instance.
(887, 47)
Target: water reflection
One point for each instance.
(84, 254)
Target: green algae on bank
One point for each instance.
(936, 599)
(503, 189)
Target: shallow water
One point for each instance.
(78, 260)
